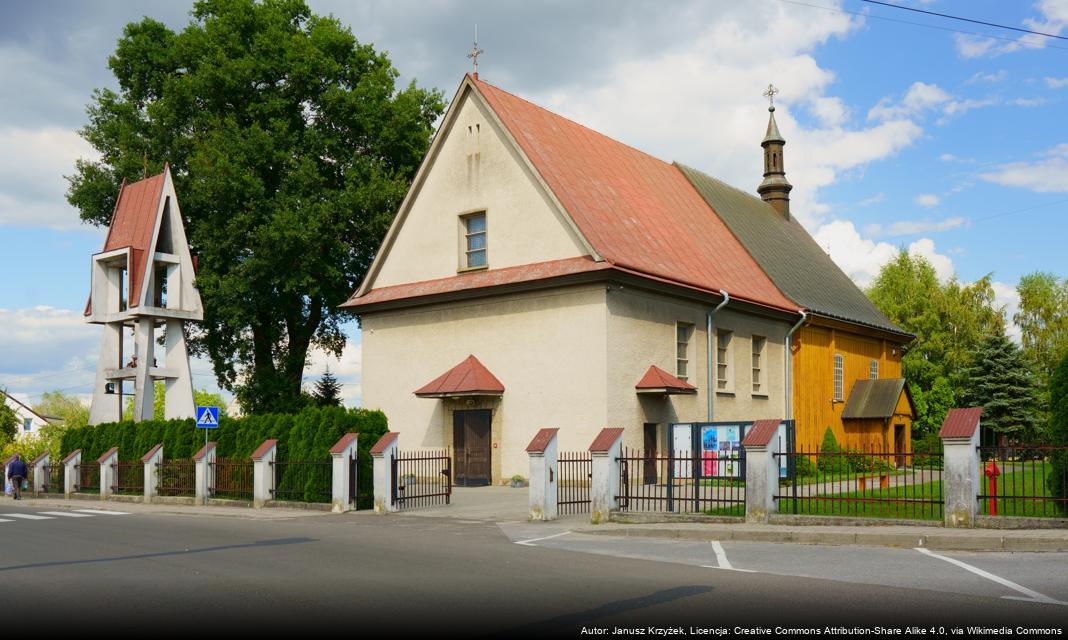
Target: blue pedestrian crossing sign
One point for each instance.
(207, 417)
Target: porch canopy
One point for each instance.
(659, 382)
(877, 399)
(469, 378)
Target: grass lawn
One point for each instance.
(1024, 479)
(871, 503)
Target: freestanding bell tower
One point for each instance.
(141, 291)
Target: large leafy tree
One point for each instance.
(9, 422)
(1043, 320)
(1002, 383)
(291, 147)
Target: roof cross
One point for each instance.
(770, 94)
(475, 51)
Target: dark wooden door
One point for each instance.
(649, 457)
(899, 444)
(471, 443)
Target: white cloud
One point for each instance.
(348, 369)
(1046, 175)
(928, 200)
(32, 167)
(1054, 20)
(987, 77)
(860, 258)
(914, 227)
(1057, 83)
(919, 98)
(873, 200)
(942, 264)
(1006, 296)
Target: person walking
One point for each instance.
(16, 473)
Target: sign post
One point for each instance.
(207, 418)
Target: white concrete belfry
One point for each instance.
(141, 287)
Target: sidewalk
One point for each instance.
(271, 513)
(935, 538)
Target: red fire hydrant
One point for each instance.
(992, 471)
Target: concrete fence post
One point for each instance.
(107, 471)
(605, 451)
(761, 443)
(39, 473)
(544, 475)
(205, 480)
(263, 473)
(382, 455)
(70, 472)
(151, 460)
(961, 466)
(342, 455)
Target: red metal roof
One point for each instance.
(71, 455)
(656, 379)
(605, 439)
(541, 440)
(200, 455)
(637, 211)
(107, 454)
(262, 450)
(131, 226)
(761, 433)
(344, 442)
(383, 443)
(151, 452)
(470, 377)
(961, 423)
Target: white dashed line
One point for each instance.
(721, 555)
(100, 512)
(25, 516)
(527, 543)
(66, 514)
(1032, 596)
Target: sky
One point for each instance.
(904, 130)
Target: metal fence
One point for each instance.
(1023, 481)
(573, 486)
(680, 482)
(129, 478)
(176, 478)
(869, 483)
(231, 479)
(53, 478)
(421, 478)
(88, 478)
(303, 480)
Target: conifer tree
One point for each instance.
(1001, 382)
(1058, 431)
(327, 391)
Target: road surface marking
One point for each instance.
(66, 514)
(101, 512)
(1032, 596)
(528, 542)
(721, 555)
(25, 516)
(2, 520)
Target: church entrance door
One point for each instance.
(471, 444)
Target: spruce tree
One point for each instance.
(1001, 382)
(1058, 431)
(327, 391)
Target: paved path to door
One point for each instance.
(487, 504)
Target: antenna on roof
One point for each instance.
(475, 52)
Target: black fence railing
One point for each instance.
(53, 478)
(176, 478)
(88, 477)
(680, 482)
(1024, 481)
(421, 478)
(573, 484)
(128, 478)
(303, 480)
(869, 483)
(231, 479)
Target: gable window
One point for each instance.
(758, 364)
(474, 241)
(683, 332)
(27, 424)
(873, 370)
(724, 366)
(839, 377)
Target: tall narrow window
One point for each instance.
(873, 370)
(474, 228)
(683, 331)
(758, 364)
(723, 361)
(839, 377)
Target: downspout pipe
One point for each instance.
(708, 356)
(790, 366)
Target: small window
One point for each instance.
(723, 361)
(474, 228)
(873, 370)
(839, 377)
(758, 364)
(27, 424)
(683, 332)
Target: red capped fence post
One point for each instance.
(544, 475)
(263, 473)
(961, 475)
(341, 454)
(761, 444)
(605, 451)
(382, 455)
(108, 473)
(152, 460)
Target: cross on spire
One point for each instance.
(770, 94)
(475, 51)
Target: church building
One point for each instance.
(540, 274)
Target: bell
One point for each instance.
(109, 388)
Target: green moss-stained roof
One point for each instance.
(789, 255)
(876, 399)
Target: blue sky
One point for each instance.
(951, 145)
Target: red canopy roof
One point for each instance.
(656, 380)
(469, 378)
(961, 423)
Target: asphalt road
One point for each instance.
(448, 577)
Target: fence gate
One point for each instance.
(573, 486)
(421, 478)
(352, 479)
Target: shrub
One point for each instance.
(1058, 434)
(926, 451)
(832, 463)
